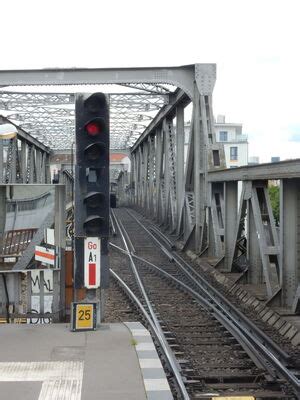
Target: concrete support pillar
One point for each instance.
(231, 215)
(290, 239)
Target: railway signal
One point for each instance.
(91, 190)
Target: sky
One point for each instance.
(255, 45)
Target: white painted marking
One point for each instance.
(145, 346)
(156, 384)
(62, 380)
(150, 363)
(61, 390)
(140, 332)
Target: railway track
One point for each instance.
(209, 347)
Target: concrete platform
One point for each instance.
(46, 362)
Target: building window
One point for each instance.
(233, 153)
(223, 136)
(216, 158)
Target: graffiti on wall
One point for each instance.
(47, 289)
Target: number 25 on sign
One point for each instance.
(83, 316)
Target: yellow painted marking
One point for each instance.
(14, 321)
(84, 316)
(234, 398)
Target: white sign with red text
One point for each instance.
(92, 254)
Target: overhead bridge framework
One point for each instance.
(194, 84)
(27, 159)
(178, 175)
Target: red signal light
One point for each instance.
(93, 128)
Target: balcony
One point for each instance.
(236, 139)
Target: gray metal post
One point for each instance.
(2, 215)
(231, 215)
(151, 174)
(42, 292)
(38, 166)
(290, 238)
(13, 166)
(166, 171)
(23, 161)
(180, 139)
(1, 162)
(43, 167)
(31, 164)
(60, 240)
(158, 175)
(253, 251)
(47, 169)
(197, 172)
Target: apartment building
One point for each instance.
(235, 143)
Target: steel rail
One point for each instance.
(167, 351)
(256, 343)
(228, 324)
(254, 350)
(124, 237)
(112, 224)
(217, 313)
(237, 333)
(250, 328)
(162, 236)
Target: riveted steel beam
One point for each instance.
(269, 171)
(182, 77)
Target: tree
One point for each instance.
(274, 198)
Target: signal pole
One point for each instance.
(91, 202)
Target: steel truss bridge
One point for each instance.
(192, 195)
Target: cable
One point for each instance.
(7, 298)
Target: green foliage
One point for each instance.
(274, 197)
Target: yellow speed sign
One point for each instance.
(84, 316)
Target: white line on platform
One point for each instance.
(61, 379)
(145, 346)
(156, 384)
(140, 332)
(150, 363)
